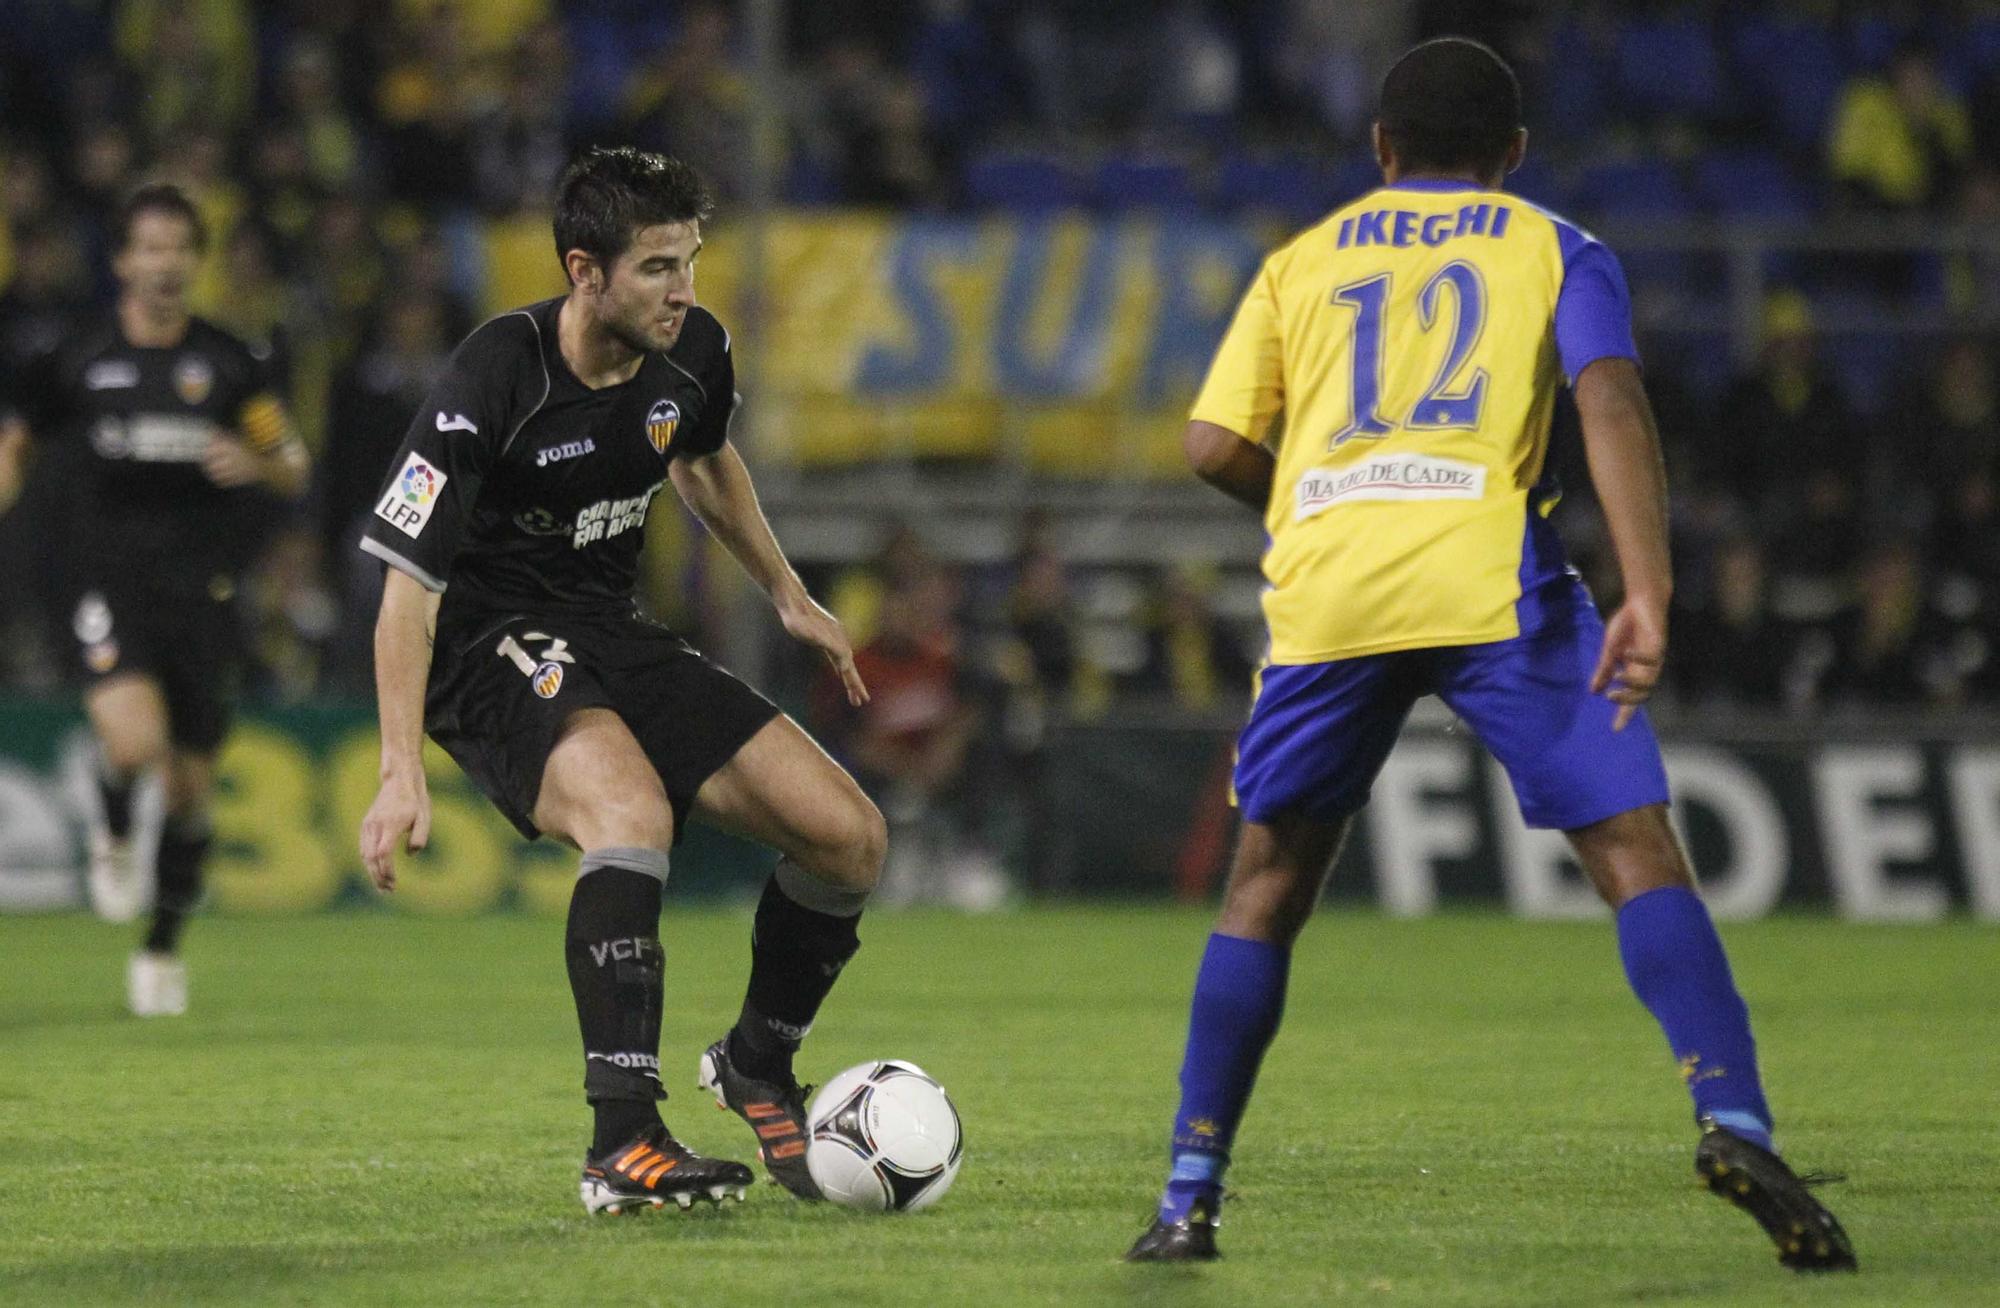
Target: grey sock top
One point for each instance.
(633, 858)
(808, 891)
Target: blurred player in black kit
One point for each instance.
(173, 424)
(511, 523)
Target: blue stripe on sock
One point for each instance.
(1194, 1168)
(1745, 1125)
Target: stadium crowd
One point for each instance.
(1838, 499)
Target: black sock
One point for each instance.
(613, 949)
(115, 792)
(184, 843)
(796, 953)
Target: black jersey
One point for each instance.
(525, 490)
(136, 422)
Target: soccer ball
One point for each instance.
(884, 1137)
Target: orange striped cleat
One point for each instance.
(777, 1113)
(655, 1169)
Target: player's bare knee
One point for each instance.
(1631, 853)
(869, 848)
(1257, 905)
(645, 820)
(135, 747)
(849, 849)
(629, 816)
(1274, 884)
(187, 793)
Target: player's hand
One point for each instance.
(13, 440)
(807, 622)
(229, 463)
(1635, 649)
(399, 819)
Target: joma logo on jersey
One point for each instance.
(411, 496)
(661, 420)
(566, 450)
(608, 518)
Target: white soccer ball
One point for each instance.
(884, 1137)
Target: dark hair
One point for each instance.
(158, 197)
(1451, 103)
(608, 193)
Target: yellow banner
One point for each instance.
(1070, 342)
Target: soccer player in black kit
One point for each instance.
(171, 423)
(511, 524)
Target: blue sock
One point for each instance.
(1239, 995)
(1674, 960)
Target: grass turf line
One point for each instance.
(1460, 1110)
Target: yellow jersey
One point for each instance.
(1413, 342)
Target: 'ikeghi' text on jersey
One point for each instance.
(522, 489)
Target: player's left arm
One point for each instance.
(1626, 469)
(263, 450)
(1593, 331)
(1232, 463)
(717, 487)
(1240, 401)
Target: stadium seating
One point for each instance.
(1793, 68)
(1634, 188)
(1284, 185)
(1027, 182)
(1670, 66)
(1750, 182)
(1538, 180)
(1144, 182)
(1573, 105)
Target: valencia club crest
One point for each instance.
(661, 420)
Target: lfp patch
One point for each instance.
(661, 420)
(548, 680)
(411, 496)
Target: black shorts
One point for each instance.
(498, 700)
(190, 642)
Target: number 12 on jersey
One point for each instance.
(1449, 403)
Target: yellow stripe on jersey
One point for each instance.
(1408, 341)
(263, 421)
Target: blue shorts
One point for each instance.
(1319, 732)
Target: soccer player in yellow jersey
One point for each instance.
(1383, 399)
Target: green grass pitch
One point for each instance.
(371, 1109)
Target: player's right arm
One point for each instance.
(27, 401)
(419, 521)
(1241, 398)
(13, 455)
(400, 817)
